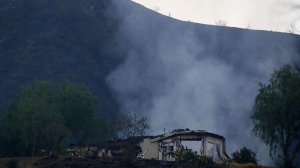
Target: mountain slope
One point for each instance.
(152, 64)
(57, 40)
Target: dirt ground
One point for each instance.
(19, 162)
(76, 162)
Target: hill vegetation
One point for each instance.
(46, 117)
(58, 40)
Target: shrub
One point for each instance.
(185, 158)
(244, 155)
(206, 161)
(188, 159)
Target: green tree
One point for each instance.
(132, 125)
(244, 155)
(78, 107)
(276, 114)
(46, 115)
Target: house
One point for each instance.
(160, 147)
(203, 143)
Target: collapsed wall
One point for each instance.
(163, 146)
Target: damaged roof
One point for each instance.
(186, 132)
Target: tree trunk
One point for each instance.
(33, 150)
(286, 160)
(34, 146)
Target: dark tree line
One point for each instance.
(48, 116)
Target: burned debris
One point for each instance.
(203, 143)
(160, 147)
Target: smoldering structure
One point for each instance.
(162, 147)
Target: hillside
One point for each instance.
(83, 41)
(129, 55)
(178, 74)
(57, 40)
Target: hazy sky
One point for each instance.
(275, 15)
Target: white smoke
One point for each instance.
(183, 75)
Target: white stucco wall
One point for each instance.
(149, 149)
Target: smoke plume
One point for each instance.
(185, 75)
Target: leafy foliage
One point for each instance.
(185, 158)
(276, 113)
(132, 125)
(244, 155)
(46, 115)
(188, 159)
(206, 161)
